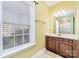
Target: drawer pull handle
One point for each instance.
(70, 41)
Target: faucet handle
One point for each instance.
(59, 34)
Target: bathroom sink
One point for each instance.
(71, 36)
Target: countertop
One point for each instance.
(70, 36)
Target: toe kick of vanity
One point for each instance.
(65, 47)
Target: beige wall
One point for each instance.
(42, 14)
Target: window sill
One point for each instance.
(12, 51)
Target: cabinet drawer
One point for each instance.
(60, 39)
(70, 41)
(66, 50)
(48, 38)
(54, 38)
(67, 41)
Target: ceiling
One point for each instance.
(52, 3)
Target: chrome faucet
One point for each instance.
(59, 34)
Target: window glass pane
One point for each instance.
(18, 30)
(22, 19)
(16, 25)
(8, 16)
(17, 10)
(8, 35)
(26, 30)
(8, 42)
(8, 29)
(18, 40)
(26, 38)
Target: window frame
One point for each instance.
(14, 50)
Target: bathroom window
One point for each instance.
(17, 26)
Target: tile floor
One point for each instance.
(46, 54)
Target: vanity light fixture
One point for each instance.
(63, 13)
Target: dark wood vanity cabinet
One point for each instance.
(63, 46)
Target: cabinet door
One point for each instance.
(75, 49)
(51, 45)
(57, 46)
(66, 50)
(54, 45)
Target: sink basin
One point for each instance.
(71, 36)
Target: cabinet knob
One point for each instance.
(70, 41)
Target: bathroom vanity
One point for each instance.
(64, 45)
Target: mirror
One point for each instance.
(65, 21)
(66, 25)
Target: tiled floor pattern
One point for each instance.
(46, 54)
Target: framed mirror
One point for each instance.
(64, 21)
